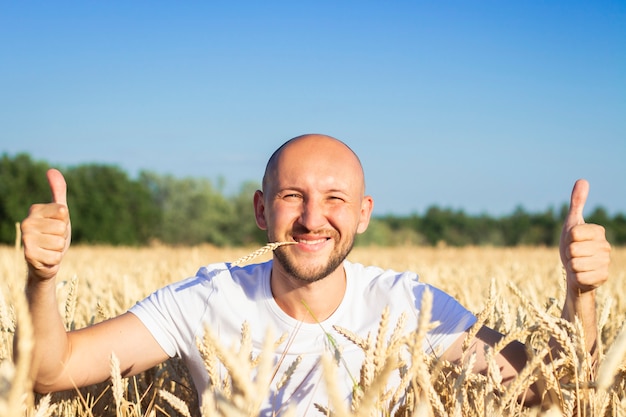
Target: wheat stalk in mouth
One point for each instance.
(269, 247)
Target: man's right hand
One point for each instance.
(46, 232)
(66, 360)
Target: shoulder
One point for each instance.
(223, 274)
(374, 276)
(217, 293)
(210, 281)
(380, 286)
(253, 280)
(390, 285)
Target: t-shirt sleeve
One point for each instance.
(151, 314)
(453, 319)
(173, 314)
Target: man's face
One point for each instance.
(314, 197)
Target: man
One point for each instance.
(313, 195)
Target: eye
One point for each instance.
(336, 198)
(292, 196)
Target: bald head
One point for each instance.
(311, 149)
(313, 194)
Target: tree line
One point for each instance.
(109, 207)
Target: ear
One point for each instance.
(259, 210)
(367, 205)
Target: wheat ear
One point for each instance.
(178, 404)
(44, 408)
(21, 386)
(611, 361)
(261, 251)
(70, 304)
(117, 384)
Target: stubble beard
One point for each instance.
(316, 273)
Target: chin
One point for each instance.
(310, 273)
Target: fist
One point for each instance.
(585, 252)
(46, 232)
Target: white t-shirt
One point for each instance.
(225, 297)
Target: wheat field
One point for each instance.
(518, 291)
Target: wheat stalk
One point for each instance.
(481, 318)
(117, 385)
(18, 237)
(614, 356)
(288, 373)
(22, 384)
(261, 251)
(44, 408)
(178, 404)
(335, 399)
(70, 304)
(602, 395)
(376, 394)
(7, 324)
(211, 363)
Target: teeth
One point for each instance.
(311, 242)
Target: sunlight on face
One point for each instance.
(314, 195)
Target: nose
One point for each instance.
(313, 215)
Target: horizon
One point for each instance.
(474, 106)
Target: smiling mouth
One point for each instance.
(312, 241)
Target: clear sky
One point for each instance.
(473, 105)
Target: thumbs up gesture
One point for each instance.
(585, 252)
(46, 232)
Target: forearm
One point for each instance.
(51, 346)
(581, 306)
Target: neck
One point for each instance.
(309, 302)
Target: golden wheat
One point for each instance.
(517, 291)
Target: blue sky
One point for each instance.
(474, 105)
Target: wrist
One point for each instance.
(578, 302)
(35, 283)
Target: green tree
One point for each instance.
(242, 228)
(612, 226)
(106, 206)
(515, 227)
(446, 225)
(22, 183)
(618, 230)
(192, 210)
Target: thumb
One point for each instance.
(58, 187)
(577, 204)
